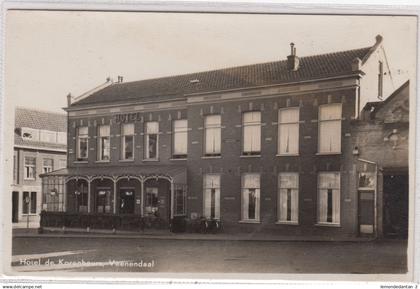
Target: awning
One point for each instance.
(177, 173)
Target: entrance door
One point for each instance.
(366, 211)
(152, 201)
(395, 205)
(126, 201)
(15, 207)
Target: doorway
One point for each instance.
(395, 205)
(15, 207)
(127, 201)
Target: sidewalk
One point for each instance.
(166, 235)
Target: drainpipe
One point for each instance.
(375, 198)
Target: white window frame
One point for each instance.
(84, 137)
(47, 168)
(28, 168)
(246, 127)
(245, 190)
(211, 182)
(213, 131)
(179, 132)
(147, 135)
(124, 136)
(322, 122)
(100, 139)
(283, 199)
(282, 125)
(323, 191)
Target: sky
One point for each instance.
(49, 54)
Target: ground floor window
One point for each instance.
(180, 204)
(251, 197)
(288, 185)
(151, 201)
(81, 197)
(103, 201)
(329, 198)
(29, 203)
(211, 196)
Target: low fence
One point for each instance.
(178, 224)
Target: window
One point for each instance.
(211, 196)
(15, 167)
(47, 165)
(127, 141)
(30, 168)
(62, 164)
(81, 196)
(151, 147)
(380, 79)
(251, 197)
(103, 143)
(288, 135)
(329, 198)
(213, 134)
(330, 128)
(29, 203)
(152, 202)
(180, 139)
(251, 133)
(82, 143)
(288, 197)
(103, 201)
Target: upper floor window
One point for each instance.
(104, 143)
(251, 143)
(212, 196)
(30, 168)
(47, 165)
(151, 145)
(329, 198)
(288, 197)
(127, 141)
(288, 135)
(82, 143)
(329, 128)
(251, 197)
(62, 164)
(213, 135)
(180, 138)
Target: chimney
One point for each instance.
(69, 99)
(120, 79)
(292, 59)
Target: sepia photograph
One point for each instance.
(223, 143)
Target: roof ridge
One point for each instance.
(39, 110)
(240, 66)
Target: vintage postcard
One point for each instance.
(145, 143)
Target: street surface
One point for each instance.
(150, 255)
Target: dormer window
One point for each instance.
(30, 134)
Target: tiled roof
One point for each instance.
(25, 117)
(311, 68)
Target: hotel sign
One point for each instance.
(128, 117)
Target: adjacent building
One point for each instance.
(263, 148)
(39, 147)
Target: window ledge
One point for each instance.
(180, 159)
(328, 154)
(30, 215)
(126, 161)
(287, 223)
(250, 156)
(249, 222)
(211, 157)
(150, 160)
(80, 162)
(287, 155)
(328, 225)
(29, 179)
(103, 161)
